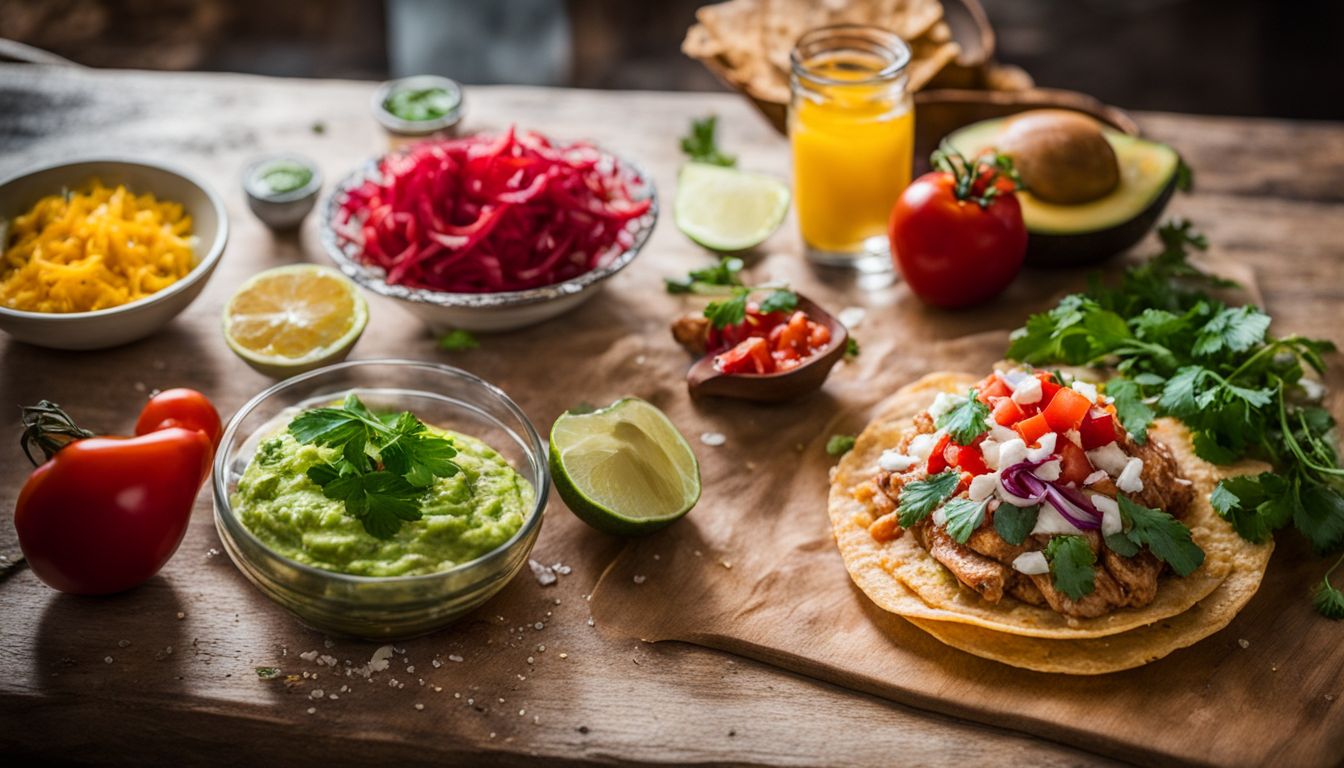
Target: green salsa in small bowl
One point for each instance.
(417, 107)
(282, 189)
(396, 547)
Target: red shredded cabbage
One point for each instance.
(485, 214)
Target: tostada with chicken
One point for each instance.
(1017, 504)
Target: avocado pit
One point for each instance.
(1061, 156)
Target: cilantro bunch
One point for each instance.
(701, 145)
(1180, 352)
(385, 462)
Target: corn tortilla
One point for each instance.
(901, 577)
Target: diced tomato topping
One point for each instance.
(1066, 410)
(749, 356)
(965, 483)
(1048, 385)
(1073, 464)
(1098, 429)
(937, 461)
(1007, 413)
(967, 458)
(1032, 427)
(994, 388)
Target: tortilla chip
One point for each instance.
(736, 28)
(901, 576)
(928, 57)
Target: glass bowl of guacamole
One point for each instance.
(380, 498)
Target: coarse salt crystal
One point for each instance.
(851, 317)
(639, 579)
(713, 439)
(454, 658)
(544, 574)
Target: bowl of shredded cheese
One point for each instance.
(97, 253)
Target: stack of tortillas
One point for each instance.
(747, 42)
(901, 577)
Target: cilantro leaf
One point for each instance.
(327, 426)
(780, 301)
(1071, 560)
(1122, 545)
(729, 311)
(963, 517)
(966, 421)
(1134, 413)
(920, 497)
(839, 445)
(417, 454)
(1320, 517)
(380, 500)
(1167, 538)
(1014, 523)
(458, 340)
(851, 347)
(1328, 600)
(724, 274)
(700, 144)
(1235, 329)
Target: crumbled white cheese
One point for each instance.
(1031, 563)
(1095, 477)
(1045, 447)
(1074, 437)
(1012, 452)
(1049, 471)
(944, 402)
(1001, 433)
(989, 451)
(1015, 377)
(982, 486)
(1110, 513)
(921, 445)
(1048, 521)
(1028, 392)
(1085, 389)
(1130, 479)
(1109, 458)
(895, 461)
(939, 517)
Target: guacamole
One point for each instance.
(464, 516)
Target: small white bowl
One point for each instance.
(137, 319)
(486, 312)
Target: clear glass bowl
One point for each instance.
(377, 607)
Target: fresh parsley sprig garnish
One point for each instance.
(716, 280)
(701, 146)
(733, 310)
(920, 497)
(1180, 351)
(1014, 523)
(1163, 534)
(963, 517)
(384, 463)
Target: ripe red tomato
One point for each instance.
(956, 242)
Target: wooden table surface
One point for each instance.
(166, 672)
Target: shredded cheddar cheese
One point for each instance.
(93, 248)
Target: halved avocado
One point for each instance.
(1070, 235)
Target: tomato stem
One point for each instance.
(978, 180)
(49, 429)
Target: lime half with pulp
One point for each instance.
(624, 469)
(725, 209)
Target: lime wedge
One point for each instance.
(624, 469)
(725, 209)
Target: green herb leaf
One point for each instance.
(1256, 505)
(1122, 545)
(724, 274)
(851, 347)
(839, 445)
(1071, 560)
(1014, 523)
(1163, 534)
(1135, 415)
(700, 145)
(780, 301)
(268, 673)
(458, 340)
(1328, 600)
(1235, 329)
(380, 500)
(728, 312)
(966, 421)
(963, 517)
(920, 497)
(417, 454)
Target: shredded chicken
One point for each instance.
(982, 574)
(1023, 589)
(1162, 488)
(1137, 576)
(1103, 599)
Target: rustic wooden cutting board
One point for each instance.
(758, 574)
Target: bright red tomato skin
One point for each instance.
(180, 407)
(954, 253)
(106, 513)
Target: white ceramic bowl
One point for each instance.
(487, 312)
(128, 322)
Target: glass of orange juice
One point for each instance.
(852, 129)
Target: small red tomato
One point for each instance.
(957, 234)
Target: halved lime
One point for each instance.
(295, 318)
(624, 469)
(725, 209)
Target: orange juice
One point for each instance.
(851, 127)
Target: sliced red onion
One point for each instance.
(1070, 502)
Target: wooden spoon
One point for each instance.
(705, 379)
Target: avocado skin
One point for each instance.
(1084, 248)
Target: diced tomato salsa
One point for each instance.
(768, 342)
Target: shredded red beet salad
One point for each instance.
(484, 214)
